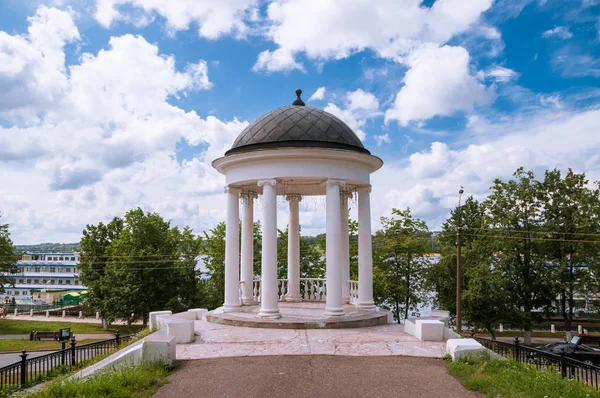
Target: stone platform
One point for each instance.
(217, 341)
(304, 315)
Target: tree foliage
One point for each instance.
(139, 264)
(7, 257)
(400, 264)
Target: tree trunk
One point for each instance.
(492, 332)
(104, 324)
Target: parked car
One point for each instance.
(574, 349)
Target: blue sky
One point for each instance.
(111, 104)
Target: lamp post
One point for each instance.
(458, 268)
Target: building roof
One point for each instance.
(297, 126)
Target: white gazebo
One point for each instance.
(297, 151)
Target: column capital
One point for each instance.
(346, 195)
(230, 189)
(363, 189)
(249, 195)
(272, 182)
(335, 181)
(293, 197)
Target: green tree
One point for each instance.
(7, 257)
(400, 263)
(442, 275)
(213, 289)
(571, 215)
(143, 271)
(93, 259)
(513, 216)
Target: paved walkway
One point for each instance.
(313, 376)
(214, 341)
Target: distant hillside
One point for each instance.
(48, 248)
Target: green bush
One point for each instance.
(499, 378)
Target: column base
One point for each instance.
(334, 312)
(293, 298)
(231, 307)
(346, 300)
(269, 314)
(249, 301)
(368, 306)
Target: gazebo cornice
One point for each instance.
(374, 163)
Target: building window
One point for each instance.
(60, 259)
(52, 270)
(16, 292)
(60, 282)
(72, 258)
(37, 269)
(28, 280)
(68, 282)
(21, 280)
(36, 281)
(67, 269)
(52, 281)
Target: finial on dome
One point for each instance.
(298, 101)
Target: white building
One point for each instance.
(40, 274)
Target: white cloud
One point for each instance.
(349, 118)
(214, 17)
(108, 143)
(358, 108)
(318, 95)
(32, 71)
(501, 74)
(276, 61)
(380, 139)
(438, 82)
(361, 100)
(552, 101)
(336, 29)
(562, 32)
(537, 142)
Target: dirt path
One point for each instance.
(313, 376)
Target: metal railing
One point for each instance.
(28, 371)
(568, 368)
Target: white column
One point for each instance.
(232, 251)
(248, 247)
(333, 304)
(365, 250)
(345, 247)
(269, 307)
(293, 293)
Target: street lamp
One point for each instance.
(458, 268)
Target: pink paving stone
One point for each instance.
(215, 340)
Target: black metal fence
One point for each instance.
(31, 370)
(568, 368)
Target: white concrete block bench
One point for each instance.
(429, 330)
(459, 348)
(153, 318)
(181, 329)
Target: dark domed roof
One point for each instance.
(297, 126)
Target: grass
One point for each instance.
(509, 379)
(139, 381)
(12, 326)
(12, 345)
